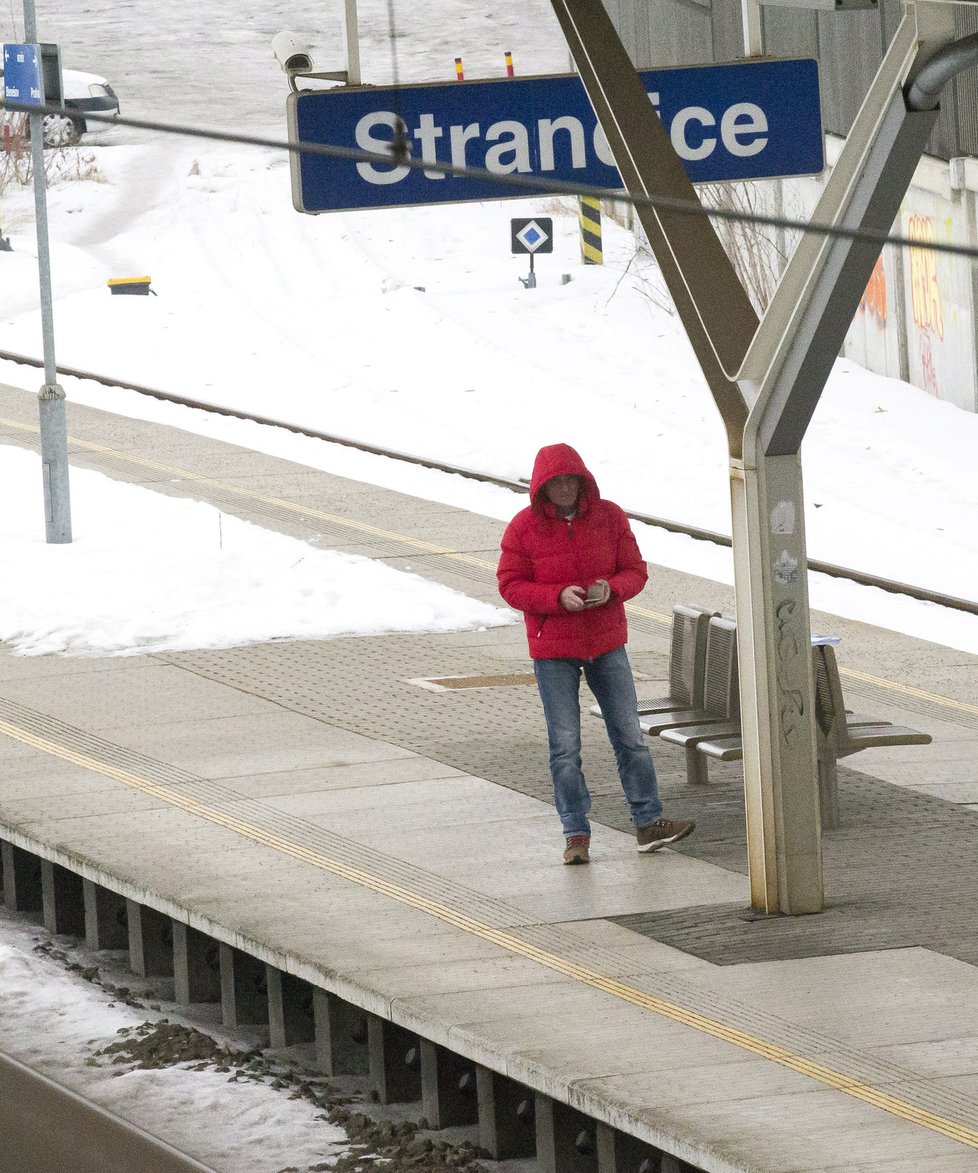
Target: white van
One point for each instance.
(84, 93)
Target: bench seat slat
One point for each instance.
(871, 736)
(693, 734)
(654, 723)
(726, 749)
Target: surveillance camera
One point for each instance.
(292, 53)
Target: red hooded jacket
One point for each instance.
(542, 553)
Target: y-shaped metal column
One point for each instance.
(766, 380)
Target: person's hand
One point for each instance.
(598, 593)
(572, 598)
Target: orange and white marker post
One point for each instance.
(510, 71)
(459, 75)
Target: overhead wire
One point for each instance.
(523, 184)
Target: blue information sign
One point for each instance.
(748, 120)
(22, 75)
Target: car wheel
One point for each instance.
(59, 131)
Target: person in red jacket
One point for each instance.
(569, 561)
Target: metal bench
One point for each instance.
(720, 715)
(687, 663)
(838, 734)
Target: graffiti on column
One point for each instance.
(791, 700)
(873, 301)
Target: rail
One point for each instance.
(922, 594)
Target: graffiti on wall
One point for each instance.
(873, 301)
(925, 292)
(925, 297)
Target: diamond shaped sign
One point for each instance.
(533, 236)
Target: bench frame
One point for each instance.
(839, 733)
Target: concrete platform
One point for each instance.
(313, 805)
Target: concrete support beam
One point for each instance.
(290, 1014)
(196, 966)
(106, 924)
(150, 940)
(620, 1153)
(244, 992)
(395, 1062)
(21, 880)
(566, 1139)
(448, 1087)
(506, 1116)
(62, 900)
(341, 1035)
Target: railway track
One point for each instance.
(45, 1126)
(922, 594)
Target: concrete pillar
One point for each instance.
(196, 966)
(448, 1087)
(566, 1138)
(244, 992)
(506, 1116)
(106, 924)
(341, 1035)
(620, 1153)
(290, 1014)
(395, 1077)
(62, 900)
(21, 880)
(150, 940)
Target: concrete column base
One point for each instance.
(106, 924)
(62, 900)
(21, 880)
(448, 1087)
(341, 1035)
(506, 1116)
(150, 940)
(244, 991)
(196, 966)
(391, 1077)
(290, 1013)
(566, 1138)
(620, 1153)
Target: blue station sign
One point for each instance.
(22, 75)
(748, 120)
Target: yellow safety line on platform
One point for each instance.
(508, 941)
(443, 551)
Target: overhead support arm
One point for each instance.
(709, 298)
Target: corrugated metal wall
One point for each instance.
(848, 45)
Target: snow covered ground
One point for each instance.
(409, 329)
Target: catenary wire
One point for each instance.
(523, 184)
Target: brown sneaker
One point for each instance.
(662, 832)
(577, 849)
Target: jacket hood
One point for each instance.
(560, 460)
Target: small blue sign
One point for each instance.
(747, 120)
(22, 75)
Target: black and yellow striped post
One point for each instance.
(589, 213)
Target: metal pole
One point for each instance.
(51, 398)
(353, 75)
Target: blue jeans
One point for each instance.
(610, 679)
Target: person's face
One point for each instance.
(562, 491)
